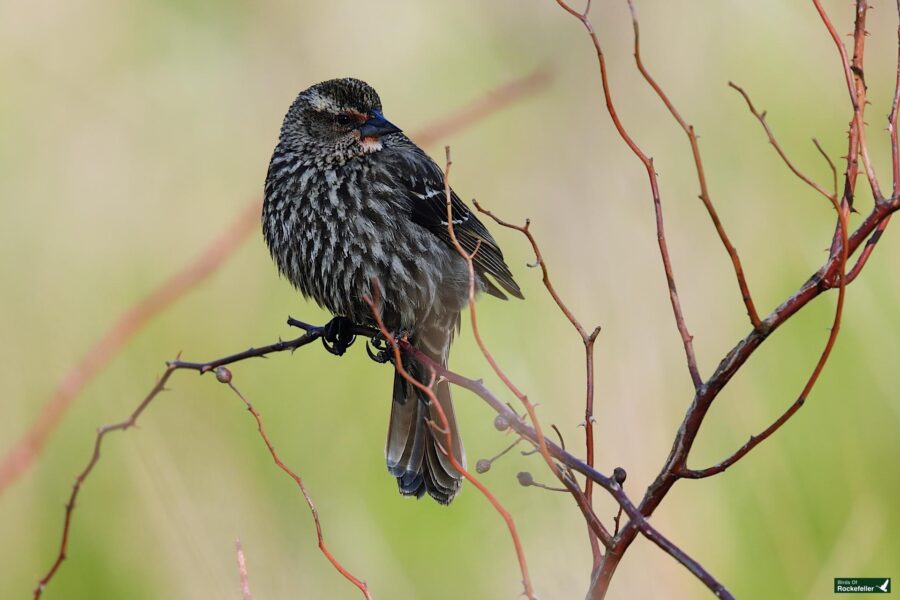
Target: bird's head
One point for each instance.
(335, 121)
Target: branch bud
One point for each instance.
(223, 375)
(500, 423)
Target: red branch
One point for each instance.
(686, 337)
(224, 376)
(701, 173)
(829, 276)
(444, 429)
(309, 501)
(638, 522)
(856, 86)
(761, 117)
(588, 339)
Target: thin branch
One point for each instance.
(686, 337)
(79, 480)
(523, 429)
(529, 407)
(588, 339)
(677, 553)
(701, 175)
(834, 173)
(826, 278)
(856, 87)
(761, 117)
(842, 216)
(223, 375)
(867, 250)
(363, 587)
(892, 118)
(895, 163)
(444, 430)
(242, 571)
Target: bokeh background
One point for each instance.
(133, 132)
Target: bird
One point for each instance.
(352, 207)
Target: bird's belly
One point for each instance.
(341, 257)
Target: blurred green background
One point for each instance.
(134, 131)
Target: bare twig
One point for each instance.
(529, 407)
(856, 86)
(842, 216)
(761, 117)
(892, 118)
(223, 375)
(701, 174)
(834, 173)
(587, 339)
(522, 428)
(309, 501)
(79, 480)
(829, 276)
(444, 429)
(686, 337)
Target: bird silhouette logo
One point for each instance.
(886, 586)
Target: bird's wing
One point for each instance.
(423, 182)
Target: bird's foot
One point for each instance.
(337, 335)
(379, 349)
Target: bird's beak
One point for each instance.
(377, 126)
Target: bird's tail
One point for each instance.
(415, 452)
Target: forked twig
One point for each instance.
(587, 339)
(299, 481)
(701, 174)
(224, 376)
(687, 339)
(444, 429)
(761, 117)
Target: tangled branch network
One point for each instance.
(578, 475)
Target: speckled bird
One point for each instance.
(349, 200)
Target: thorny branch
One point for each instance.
(224, 376)
(543, 445)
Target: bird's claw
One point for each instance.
(337, 335)
(379, 349)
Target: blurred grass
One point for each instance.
(133, 131)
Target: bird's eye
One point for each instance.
(343, 119)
